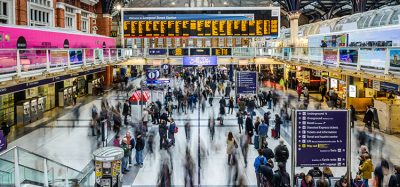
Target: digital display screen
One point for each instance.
(200, 25)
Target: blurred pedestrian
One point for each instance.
(139, 147)
(230, 146)
(249, 128)
(394, 180)
(278, 123)
(281, 153)
(259, 161)
(353, 117)
(239, 116)
(125, 159)
(366, 169)
(281, 177)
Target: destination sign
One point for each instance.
(322, 134)
(194, 25)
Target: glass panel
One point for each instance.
(89, 56)
(58, 174)
(7, 169)
(75, 57)
(106, 54)
(377, 20)
(31, 167)
(58, 58)
(113, 54)
(395, 18)
(32, 59)
(8, 59)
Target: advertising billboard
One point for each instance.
(321, 138)
(349, 56)
(352, 91)
(395, 58)
(372, 57)
(330, 56)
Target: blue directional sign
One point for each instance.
(153, 74)
(158, 81)
(246, 82)
(157, 51)
(165, 66)
(321, 138)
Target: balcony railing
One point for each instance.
(32, 62)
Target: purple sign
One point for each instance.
(200, 61)
(321, 138)
(246, 82)
(3, 141)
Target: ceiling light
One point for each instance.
(225, 3)
(118, 7)
(173, 3)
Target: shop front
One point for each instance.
(337, 88)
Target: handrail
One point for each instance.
(21, 165)
(35, 154)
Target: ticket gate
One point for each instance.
(108, 165)
(23, 112)
(41, 106)
(34, 109)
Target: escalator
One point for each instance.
(22, 168)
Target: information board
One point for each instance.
(200, 25)
(3, 141)
(246, 82)
(321, 138)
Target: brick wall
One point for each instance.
(103, 24)
(21, 12)
(60, 17)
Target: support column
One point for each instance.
(294, 27)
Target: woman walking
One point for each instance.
(230, 147)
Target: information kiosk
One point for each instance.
(108, 161)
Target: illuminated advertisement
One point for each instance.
(352, 91)
(373, 58)
(395, 58)
(334, 83)
(349, 56)
(200, 61)
(330, 56)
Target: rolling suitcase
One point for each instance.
(273, 133)
(256, 141)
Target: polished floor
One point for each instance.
(66, 140)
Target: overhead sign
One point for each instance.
(153, 74)
(387, 87)
(246, 82)
(321, 138)
(200, 51)
(157, 51)
(178, 52)
(221, 51)
(158, 81)
(200, 61)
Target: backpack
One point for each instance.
(261, 163)
(176, 129)
(285, 179)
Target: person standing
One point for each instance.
(239, 116)
(353, 117)
(394, 180)
(368, 117)
(299, 91)
(172, 130)
(366, 168)
(263, 134)
(140, 143)
(127, 150)
(281, 153)
(230, 105)
(249, 128)
(125, 111)
(258, 162)
(281, 177)
(230, 147)
(163, 130)
(278, 123)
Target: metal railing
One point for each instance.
(20, 166)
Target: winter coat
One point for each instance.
(366, 169)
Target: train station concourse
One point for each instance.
(136, 93)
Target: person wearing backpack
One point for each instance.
(315, 172)
(281, 153)
(259, 161)
(281, 177)
(172, 130)
(394, 180)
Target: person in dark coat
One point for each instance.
(163, 131)
(394, 180)
(249, 128)
(353, 117)
(125, 111)
(368, 118)
(281, 153)
(278, 123)
(5, 128)
(267, 152)
(239, 115)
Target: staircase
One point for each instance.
(22, 168)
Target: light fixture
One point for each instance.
(118, 7)
(225, 3)
(173, 3)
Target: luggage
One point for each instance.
(256, 139)
(273, 133)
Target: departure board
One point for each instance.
(201, 25)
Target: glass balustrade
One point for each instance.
(25, 61)
(20, 166)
